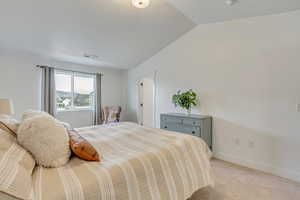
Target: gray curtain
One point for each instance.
(97, 109)
(48, 90)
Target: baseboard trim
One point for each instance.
(285, 173)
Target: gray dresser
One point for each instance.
(197, 125)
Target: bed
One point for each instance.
(139, 163)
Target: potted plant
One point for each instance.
(185, 100)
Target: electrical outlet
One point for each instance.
(251, 144)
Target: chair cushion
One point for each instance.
(111, 114)
(16, 166)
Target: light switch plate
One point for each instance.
(298, 107)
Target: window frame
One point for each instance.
(73, 74)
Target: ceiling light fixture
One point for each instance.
(140, 3)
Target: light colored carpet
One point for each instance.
(239, 183)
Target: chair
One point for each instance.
(111, 114)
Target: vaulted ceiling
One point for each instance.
(120, 35)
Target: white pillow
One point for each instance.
(46, 139)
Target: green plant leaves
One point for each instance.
(185, 99)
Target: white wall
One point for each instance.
(247, 75)
(20, 80)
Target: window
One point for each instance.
(74, 91)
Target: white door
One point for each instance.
(146, 102)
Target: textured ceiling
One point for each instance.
(121, 35)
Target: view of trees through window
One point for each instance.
(74, 90)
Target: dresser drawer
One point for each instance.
(175, 120)
(170, 127)
(180, 120)
(191, 130)
(191, 121)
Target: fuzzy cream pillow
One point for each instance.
(33, 113)
(46, 139)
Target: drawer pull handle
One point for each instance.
(193, 132)
(166, 127)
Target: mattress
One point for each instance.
(138, 163)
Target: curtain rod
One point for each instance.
(41, 66)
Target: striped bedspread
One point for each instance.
(138, 163)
